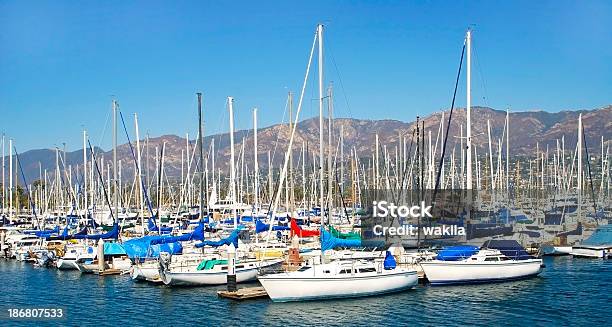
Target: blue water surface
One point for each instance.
(569, 292)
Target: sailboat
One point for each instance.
(212, 269)
(496, 261)
(109, 255)
(334, 278)
(73, 253)
(338, 279)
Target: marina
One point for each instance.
(467, 215)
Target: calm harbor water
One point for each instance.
(569, 292)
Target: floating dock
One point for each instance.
(244, 293)
(107, 272)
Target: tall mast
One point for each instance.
(490, 155)
(603, 163)
(139, 163)
(321, 167)
(3, 180)
(304, 176)
(330, 115)
(289, 184)
(256, 163)
(508, 152)
(230, 101)
(40, 193)
(85, 176)
(376, 163)
(468, 147)
(116, 198)
(201, 153)
(188, 179)
(212, 163)
(270, 191)
(57, 180)
(580, 153)
(283, 171)
(341, 158)
(579, 166)
(441, 151)
(147, 161)
(10, 177)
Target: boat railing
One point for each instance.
(515, 254)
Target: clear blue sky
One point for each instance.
(60, 61)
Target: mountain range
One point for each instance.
(528, 130)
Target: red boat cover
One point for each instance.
(297, 230)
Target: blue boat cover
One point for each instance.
(510, 248)
(66, 237)
(197, 234)
(389, 263)
(113, 249)
(457, 252)
(43, 233)
(263, 227)
(143, 247)
(232, 239)
(113, 233)
(328, 241)
(601, 237)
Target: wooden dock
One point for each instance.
(244, 293)
(107, 272)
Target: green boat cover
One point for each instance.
(345, 236)
(209, 264)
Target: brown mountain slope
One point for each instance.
(526, 130)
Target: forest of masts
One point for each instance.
(413, 162)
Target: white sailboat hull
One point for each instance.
(592, 251)
(66, 264)
(203, 277)
(462, 272)
(87, 268)
(562, 250)
(283, 289)
(213, 276)
(145, 272)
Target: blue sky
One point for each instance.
(61, 61)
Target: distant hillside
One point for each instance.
(526, 130)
